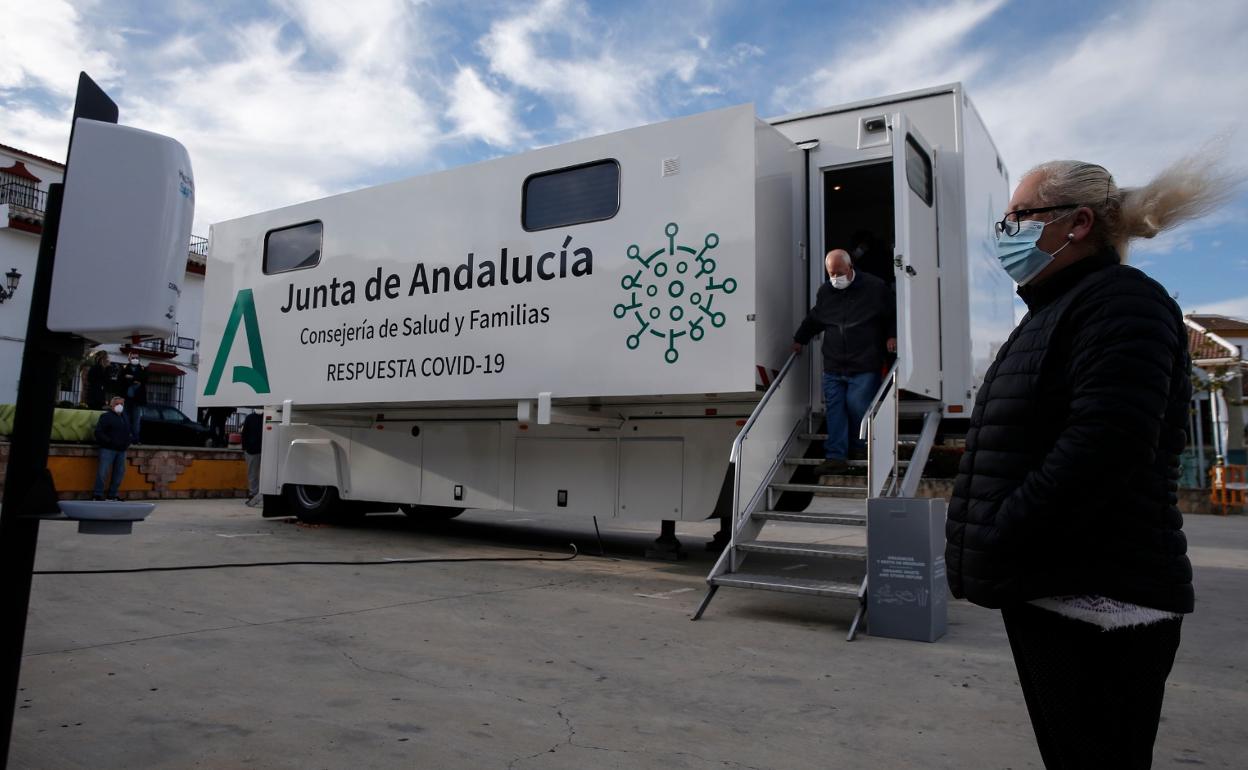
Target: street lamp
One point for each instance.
(11, 278)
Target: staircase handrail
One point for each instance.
(867, 431)
(744, 433)
(877, 401)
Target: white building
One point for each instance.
(172, 363)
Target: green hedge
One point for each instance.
(67, 424)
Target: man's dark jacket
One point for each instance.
(856, 323)
(98, 386)
(132, 384)
(253, 433)
(112, 431)
(1070, 478)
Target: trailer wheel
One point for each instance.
(431, 512)
(313, 504)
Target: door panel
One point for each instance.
(916, 260)
(652, 478)
(566, 475)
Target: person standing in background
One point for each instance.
(112, 435)
(218, 416)
(132, 382)
(99, 381)
(253, 436)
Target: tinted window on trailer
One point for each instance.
(918, 170)
(292, 248)
(571, 196)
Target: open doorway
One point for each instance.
(858, 216)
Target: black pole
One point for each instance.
(28, 487)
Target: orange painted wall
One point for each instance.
(212, 474)
(77, 474)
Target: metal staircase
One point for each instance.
(773, 459)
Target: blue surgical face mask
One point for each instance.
(1019, 254)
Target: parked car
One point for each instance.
(167, 426)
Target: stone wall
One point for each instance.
(152, 472)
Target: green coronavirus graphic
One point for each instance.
(672, 293)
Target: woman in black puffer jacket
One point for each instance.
(1064, 510)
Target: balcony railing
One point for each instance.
(199, 246)
(26, 197)
(170, 346)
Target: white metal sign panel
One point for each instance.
(431, 289)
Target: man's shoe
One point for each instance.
(830, 466)
(97, 498)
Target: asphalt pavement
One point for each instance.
(590, 663)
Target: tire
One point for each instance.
(431, 512)
(313, 504)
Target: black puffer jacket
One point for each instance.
(1069, 481)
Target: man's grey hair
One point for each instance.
(842, 253)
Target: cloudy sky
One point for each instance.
(288, 100)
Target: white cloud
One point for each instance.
(295, 106)
(45, 45)
(594, 92)
(265, 127)
(1132, 92)
(480, 112)
(1236, 307)
(557, 51)
(924, 48)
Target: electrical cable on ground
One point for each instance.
(240, 565)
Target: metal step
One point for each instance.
(844, 519)
(904, 439)
(822, 490)
(787, 584)
(850, 463)
(806, 550)
(919, 407)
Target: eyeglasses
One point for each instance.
(1009, 224)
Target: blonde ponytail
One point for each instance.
(1188, 189)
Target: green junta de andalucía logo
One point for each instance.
(667, 295)
(257, 375)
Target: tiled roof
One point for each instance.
(1220, 323)
(49, 161)
(1203, 348)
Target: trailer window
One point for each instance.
(292, 248)
(571, 196)
(918, 170)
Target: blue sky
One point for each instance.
(285, 101)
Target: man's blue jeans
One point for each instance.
(114, 461)
(846, 398)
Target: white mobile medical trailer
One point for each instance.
(587, 328)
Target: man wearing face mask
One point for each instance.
(132, 380)
(856, 313)
(112, 434)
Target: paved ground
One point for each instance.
(589, 663)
